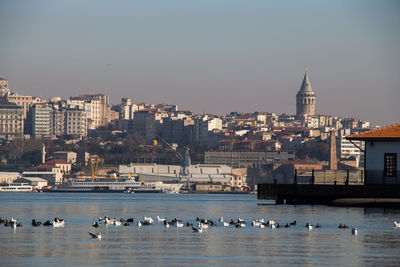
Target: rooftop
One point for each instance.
(390, 132)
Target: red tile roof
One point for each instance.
(45, 166)
(391, 132)
(56, 161)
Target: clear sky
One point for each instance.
(211, 56)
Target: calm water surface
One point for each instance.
(377, 244)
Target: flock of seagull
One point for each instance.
(197, 227)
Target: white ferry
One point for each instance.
(16, 187)
(108, 185)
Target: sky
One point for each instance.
(211, 56)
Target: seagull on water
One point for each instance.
(95, 236)
(197, 230)
(160, 219)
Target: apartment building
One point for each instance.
(11, 120)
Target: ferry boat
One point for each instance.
(16, 187)
(108, 185)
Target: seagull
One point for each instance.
(396, 224)
(354, 231)
(179, 224)
(95, 236)
(58, 222)
(160, 219)
(149, 219)
(226, 224)
(35, 223)
(203, 225)
(197, 230)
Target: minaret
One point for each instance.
(305, 97)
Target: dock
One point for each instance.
(374, 195)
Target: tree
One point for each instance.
(314, 150)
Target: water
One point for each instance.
(377, 243)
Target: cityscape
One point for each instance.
(247, 147)
(199, 133)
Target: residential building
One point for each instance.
(351, 149)
(4, 87)
(11, 120)
(24, 101)
(144, 124)
(96, 106)
(39, 122)
(75, 122)
(58, 122)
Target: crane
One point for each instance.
(185, 164)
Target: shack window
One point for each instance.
(390, 169)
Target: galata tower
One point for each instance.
(305, 98)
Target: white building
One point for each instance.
(40, 120)
(351, 149)
(9, 177)
(200, 173)
(382, 151)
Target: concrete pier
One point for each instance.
(340, 195)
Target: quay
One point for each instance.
(338, 195)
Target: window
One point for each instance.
(390, 168)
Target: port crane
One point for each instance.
(185, 163)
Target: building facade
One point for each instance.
(21, 100)
(239, 159)
(75, 122)
(144, 124)
(40, 120)
(96, 107)
(381, 154)
(11, 120)
(4, 87)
